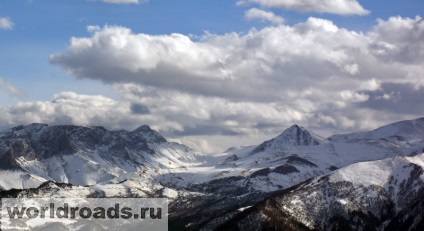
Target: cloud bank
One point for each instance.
(255, 84)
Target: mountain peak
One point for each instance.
(294, 128)
(149, 134)
(297, 136)
(293, 136)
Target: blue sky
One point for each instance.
(41, 28)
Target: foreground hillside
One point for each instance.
(377, 195)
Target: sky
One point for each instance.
(212, 74)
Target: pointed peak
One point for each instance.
(294, 129)
(295, 126)
(292, 136)
(149, 134)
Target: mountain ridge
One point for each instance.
(204, 190)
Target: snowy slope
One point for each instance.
(411, 131)
(367, 195)
(93, 155)
(18, 180)
(297, 155)
(88, 155)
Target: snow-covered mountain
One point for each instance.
(297, 155)
(204, 190)
(85, 155)
(377, 195)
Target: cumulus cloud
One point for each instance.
(399, 39)
(6, 24)
(234, 66)
(255, 84)
(342, 7)
(257, 14)
(64, 108)
(73, 108)
(203, 115)
(231, 66)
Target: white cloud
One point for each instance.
(91, 28)
(205, 115)
(6, 24)
(343, 7)
(257, 14)
(64, 108)
(353, 96)
(251, 85)
(231, 66)
(372, 85)
(73, 108)
(399, 39)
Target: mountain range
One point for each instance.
(296, 181)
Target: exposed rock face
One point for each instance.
(83, 155)
(293, 136)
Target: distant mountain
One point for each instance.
(85, 155)
(204, 190)
(410, 131)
